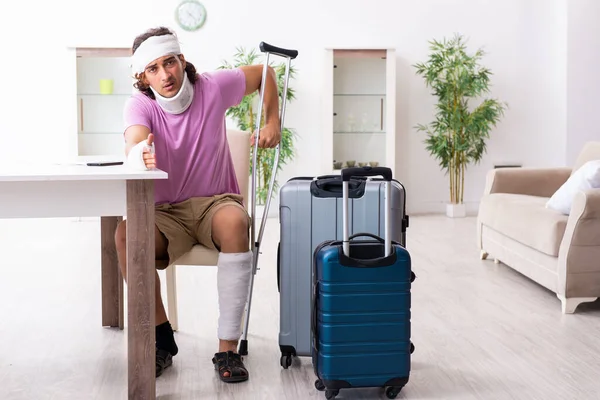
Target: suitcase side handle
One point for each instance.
(332, 187)
(314, 318)
(279, 267)
(280, 51)
(386, 172)
(371, 235)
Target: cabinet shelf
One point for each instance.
(358, 95)
(104, 95)
(359, 132)
(100, 133)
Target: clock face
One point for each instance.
(190, 15)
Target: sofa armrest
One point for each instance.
(579, 253)
(541, 182)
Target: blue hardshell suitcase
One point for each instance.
(361, 306)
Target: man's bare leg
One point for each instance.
(166, 347)
(230, 234)
(160, 244)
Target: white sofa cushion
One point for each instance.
(524, 219)
(586, 177)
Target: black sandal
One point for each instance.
(164, 360)
(230, 362)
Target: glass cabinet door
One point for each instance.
(104, 83)
(359, 108)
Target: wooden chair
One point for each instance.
(239, 146)
(112, 280)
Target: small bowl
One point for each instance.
(351, 163)
(337, 165)
(373, 163)
(362, 164)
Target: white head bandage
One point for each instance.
(152, 48)
(159, 46)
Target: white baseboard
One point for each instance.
(439, 207)
(84, 219)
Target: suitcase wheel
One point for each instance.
(412, 348)
(319, 385)
(285, 360)
(329, 393)
(392, 391)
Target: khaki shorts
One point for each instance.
(189, 223)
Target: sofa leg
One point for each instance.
(483, 255)
(496, 261)
(570, 304)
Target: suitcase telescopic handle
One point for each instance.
(280, 51)
(348, 173)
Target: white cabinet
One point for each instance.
(104, 83)
(360, 102)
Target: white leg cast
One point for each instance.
(483, 255)
(233, 284)
(570, 304)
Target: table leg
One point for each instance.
(140, 289)
(112, 280)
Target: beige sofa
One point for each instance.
(560, 252)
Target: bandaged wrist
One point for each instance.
(135, 158)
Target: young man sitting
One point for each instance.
(181, 114)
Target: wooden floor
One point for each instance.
(481, 330)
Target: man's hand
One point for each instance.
(148, 155)
(270, 136)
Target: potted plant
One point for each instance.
(245, 114)
(457, 136)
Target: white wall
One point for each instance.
(583, 76)
(525, 39)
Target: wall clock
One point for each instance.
(190, 15)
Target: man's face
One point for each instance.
(165, 75)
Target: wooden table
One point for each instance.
(73, 189)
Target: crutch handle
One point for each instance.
(268, 48)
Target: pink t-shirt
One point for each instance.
(192, 146)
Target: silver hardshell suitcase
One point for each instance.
(310, 212)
